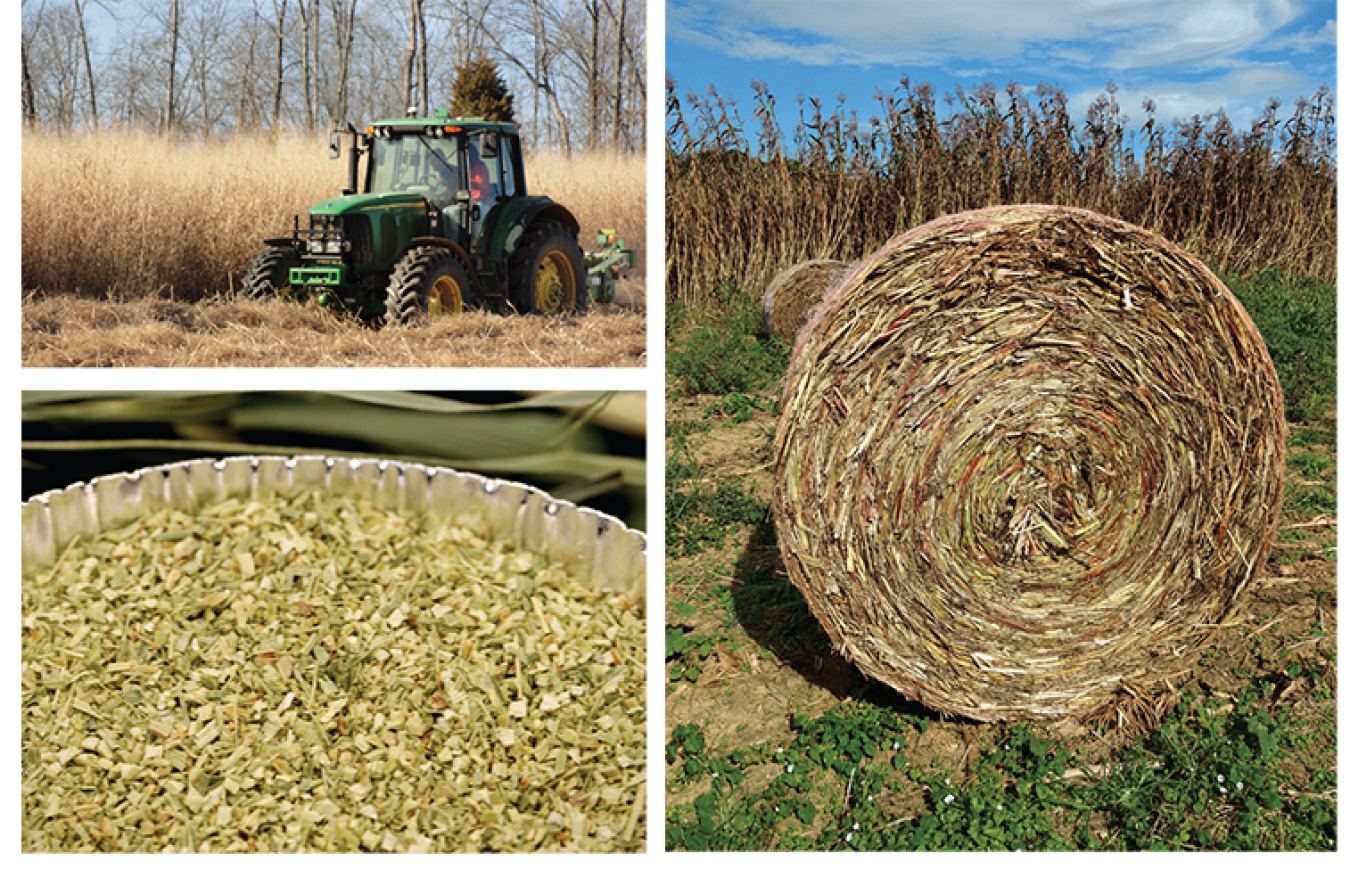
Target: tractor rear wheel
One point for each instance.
(427, 283)
(269, 274)
(548, 273)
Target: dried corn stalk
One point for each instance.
(307, 671)
(1027, 454)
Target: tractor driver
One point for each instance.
(481, 188)
(444, 182)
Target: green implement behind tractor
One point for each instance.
(438, 222)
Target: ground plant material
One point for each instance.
(309, 672)
(63, 330)
(793, 294)
(1028, 459)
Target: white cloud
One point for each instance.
(1117, 34)
(1207, 34)
(1242, 93)
(1305, 41)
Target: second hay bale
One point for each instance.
(1028, 457)
(794, 292)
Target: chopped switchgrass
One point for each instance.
(315, 674)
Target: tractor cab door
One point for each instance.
(510, 167)
(483, 176)
(494, 174)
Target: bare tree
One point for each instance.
(29, 102)
(245, 112)
(88, 64)
(423, 78)
(170, 118)
(309, 35)
(57, 67)
(416, 24)
(196, 67)
(619, 22)
(280, 12)
(538, 71)
(593, 75)
(344, 24)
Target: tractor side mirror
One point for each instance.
(334, 145)
(489, 145)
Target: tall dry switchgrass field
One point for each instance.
(132, 215)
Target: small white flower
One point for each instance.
(1239, 785)
(999, 807)
(895, 745)
(1221, 777)
(1223, 790)
(714, 776)
(789, 768)
(848, 838)
(780, 750)
(949, 798)
(856, 826)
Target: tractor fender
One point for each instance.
(535, 210)
(555, 213)
(460, 254)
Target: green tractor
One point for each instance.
(438, 222)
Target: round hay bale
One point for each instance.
(794, 292)
(1028, 458)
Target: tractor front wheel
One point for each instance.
(548, 273)
(427, 283)
(269, 274)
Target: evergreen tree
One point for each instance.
(480, 92)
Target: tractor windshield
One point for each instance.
(417, 164)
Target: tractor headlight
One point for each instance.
(334, 246)
(316, 246)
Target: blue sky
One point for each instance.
(1189, 56)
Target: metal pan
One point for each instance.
(597, 547)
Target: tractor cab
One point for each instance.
(463, 167)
